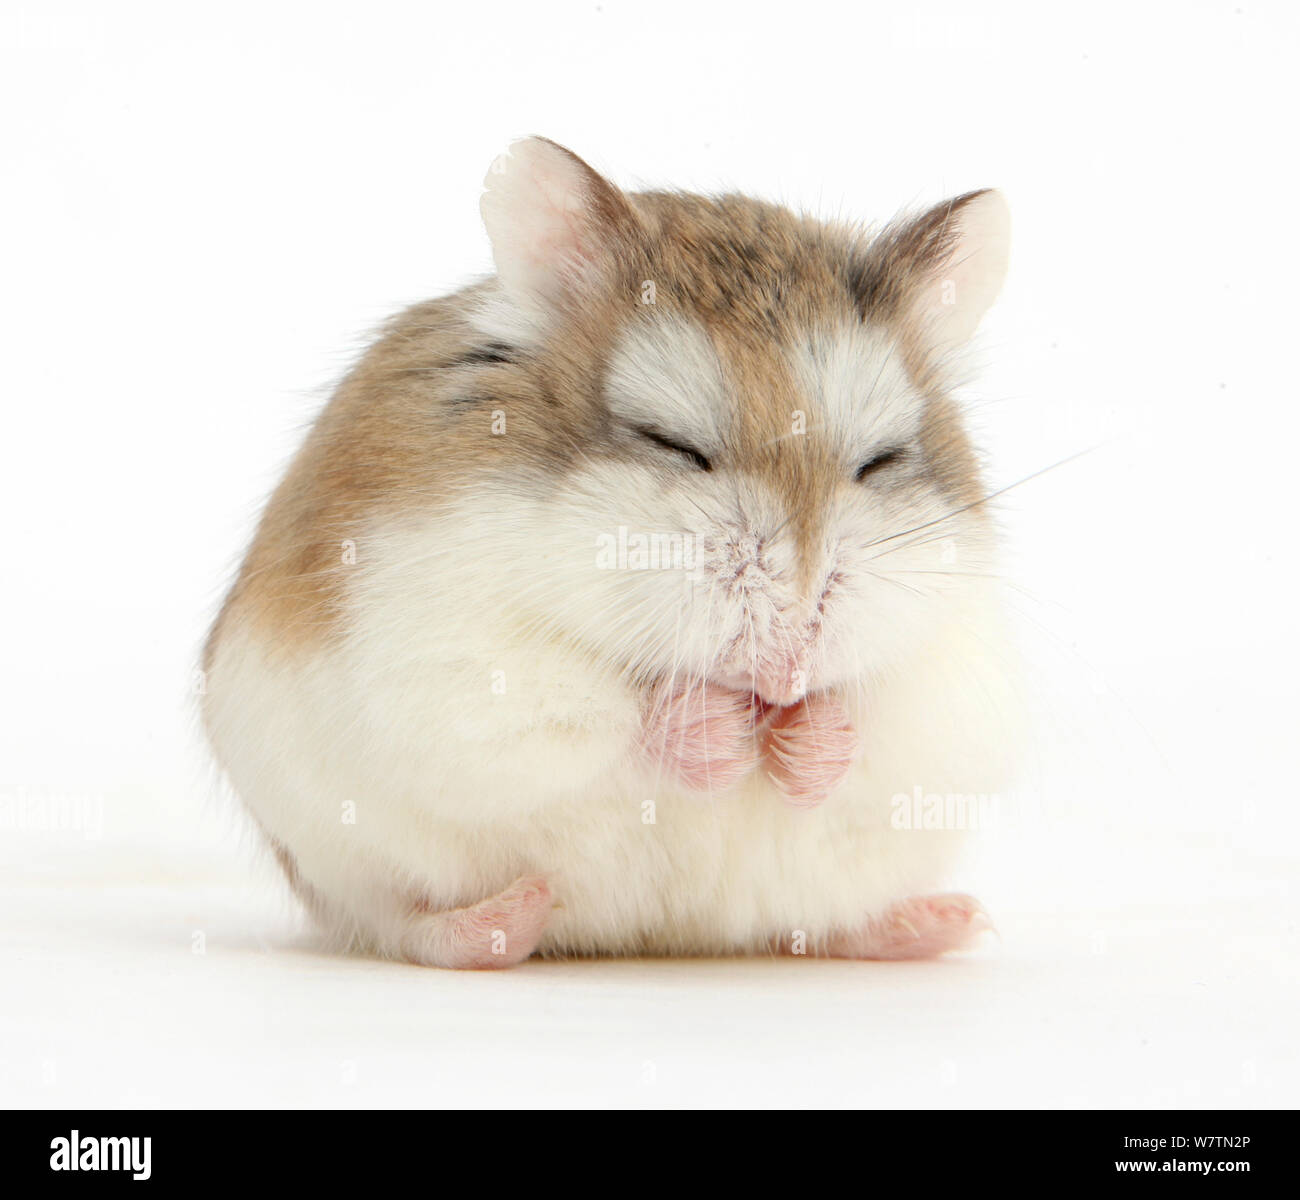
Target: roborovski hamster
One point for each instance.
(614, 604)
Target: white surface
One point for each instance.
(1165, 1003)
(200, 221)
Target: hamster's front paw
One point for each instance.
(809, 748)
(703, 734)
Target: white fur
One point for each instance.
(481, 711)
(478, 716)
(860, 390)
(458, 792)
(665, 374)
(502, 319)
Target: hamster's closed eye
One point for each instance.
(678, 447)
(879, 461)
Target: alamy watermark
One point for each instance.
(628, 550)
(82, 1152)
(52, 812)
(945, 810)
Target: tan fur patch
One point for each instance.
(411, 424)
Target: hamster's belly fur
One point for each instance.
(433, 766)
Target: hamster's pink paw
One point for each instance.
(922, 927)
(500, 931)
(809, 749)
(703, 734)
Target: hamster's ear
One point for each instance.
(946, 267)
(550, 217)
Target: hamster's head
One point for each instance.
(754, 473)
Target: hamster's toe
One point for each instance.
(922, 927)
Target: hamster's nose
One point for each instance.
(782, 680)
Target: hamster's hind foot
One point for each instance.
(500, 931)
(922, 927)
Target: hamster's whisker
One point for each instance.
(958, 574)
(1002, 491)
(771, 537)
(915, 591)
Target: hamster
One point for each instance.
(621, 603)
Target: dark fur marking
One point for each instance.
(489, 354)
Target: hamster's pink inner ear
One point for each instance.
(956, 255)
(550, 218)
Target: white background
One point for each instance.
(205, 210)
